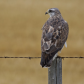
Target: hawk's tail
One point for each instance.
(46, 59)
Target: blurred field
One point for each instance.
(20, 34)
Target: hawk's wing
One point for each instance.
(54, 36)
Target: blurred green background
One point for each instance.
(20, 34)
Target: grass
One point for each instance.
(20, 35)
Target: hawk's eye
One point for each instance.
(50, 11)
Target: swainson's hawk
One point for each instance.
(54, 36)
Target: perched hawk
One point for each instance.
(54, 36)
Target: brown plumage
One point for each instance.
(54, 36)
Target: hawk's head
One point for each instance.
(53, 11)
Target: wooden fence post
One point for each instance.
(55, 72)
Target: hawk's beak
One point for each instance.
(46, 13)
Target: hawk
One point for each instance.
(54, 36)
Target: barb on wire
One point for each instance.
(39, 57)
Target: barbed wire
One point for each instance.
(20, 57)
(39, 57)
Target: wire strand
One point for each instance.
(39, 57)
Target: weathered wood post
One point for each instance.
(55, 72)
